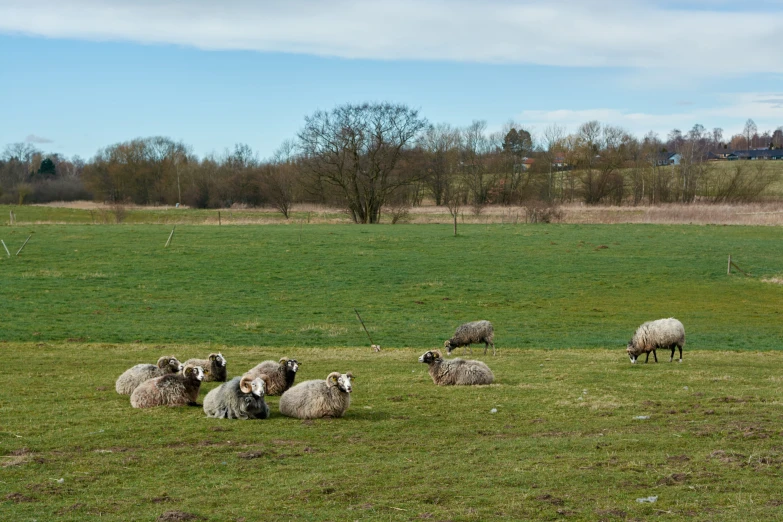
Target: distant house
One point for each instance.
(724, 155)
(760, 154)
(668, 158)
(559, 161)
(526, 163)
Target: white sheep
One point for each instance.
(663, 333)
(239, 398)
(472, 333)
(132, 377)
(214, 367)
(318, 398)
(456, 371)
(174, 389)
(281, 374)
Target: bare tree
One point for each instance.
(440, 143)
(749, 131)
(280, 177)
(552, 142)
(356, 148)
(475, 150)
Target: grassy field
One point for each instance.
(561, 286)
(567, 440)
(82, 303)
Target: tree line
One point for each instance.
(382, 157)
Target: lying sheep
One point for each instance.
(663, 333)
(239, 398)
(281, 374)
(214, 367)
(132, 377)
(316, 399)
(470, 333)
(177, 389)
(456, 371)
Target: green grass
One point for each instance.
(563, 443)
(558, 286)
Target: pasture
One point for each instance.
(82, 303)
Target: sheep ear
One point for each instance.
(188, 371)
(284, 360)
(350, 376)
(212, 357)
(246, 385)
(332, 378)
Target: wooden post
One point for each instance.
(365, 328)
(10, 217)
(93, 217)
(6, 248)
(218, 218)
(728, 272)
(170, 236)
(23, 244)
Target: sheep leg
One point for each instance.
(680, 347)
(647, 359)
(655, 356)
(673, 348)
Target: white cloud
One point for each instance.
(638, 34)
(34, 138)
(766, 109)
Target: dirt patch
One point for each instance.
(546, 497)
(176, 516)
(252, 455)
(729, 400)
(726, 457)
(619, 513)
(397, 398)
(218, 428)
(18, 498)
(673, 479)
(161, 499)
(101, 388)
(70, 509)
(678, 458)
(775, 503)
(601, 247)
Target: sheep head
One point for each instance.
(169, 363)
(217, 358)
(449, 346)
(193, 372)
(430, 356)
(632, 351)
(291, 365)
(256, 386)
(344, 382)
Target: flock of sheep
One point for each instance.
(171, 383)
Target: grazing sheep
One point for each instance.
(281, 375)
(177, 389)
(470, 333)
(663, 333)
(318, 398)
(456, 371)
(214, 367)
(132, 377)
(239, 398)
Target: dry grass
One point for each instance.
(767, 214)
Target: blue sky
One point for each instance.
(84, 74)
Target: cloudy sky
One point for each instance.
(83, 74)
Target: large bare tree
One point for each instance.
(357, 148)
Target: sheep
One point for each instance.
(456, 371)
(214, 367)
(281, 375)
(178, 389)
(132, 377)
(318, 398)
(663, 333)
(239, 398)
(469, 333)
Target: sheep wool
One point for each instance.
(281, 374)
(456, 371)
(472, 333)
(663, 333)
(179, 389)
(214, 367)
(239, 398)
(318, 398)
(132, 377)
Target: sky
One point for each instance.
(81, 75)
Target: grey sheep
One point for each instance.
(472, 333)
(663, 333)
(318, 398)
(456, 371)
(132, 377)
(174, 389)
(281, 374)
(240, 398)
(214, 367)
